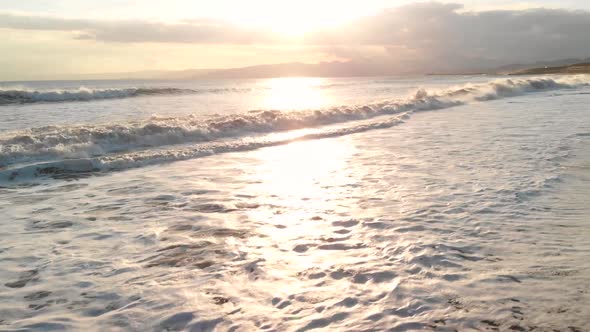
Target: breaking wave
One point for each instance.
(89, 148)
(8, 96)
(79, 167)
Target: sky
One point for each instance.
(45, 39)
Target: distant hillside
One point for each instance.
(578, 68)
(298, 69)
(350, 69)
(323, 69)
(508, 69)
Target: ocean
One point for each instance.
(441, 203)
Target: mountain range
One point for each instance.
(324, 69)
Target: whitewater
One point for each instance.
(403, 204)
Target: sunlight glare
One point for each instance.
(299, 181)
(294, 93)
(294, 19)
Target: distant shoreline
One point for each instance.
(457, 74)
(579, 68)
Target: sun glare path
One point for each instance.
(294, 93)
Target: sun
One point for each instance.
(290, 21)
(296, 18)
(290, 27)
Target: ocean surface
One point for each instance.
(456, 203)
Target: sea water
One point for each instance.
(402, 204)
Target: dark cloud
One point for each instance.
(443, 31)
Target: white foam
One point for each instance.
(21, 95)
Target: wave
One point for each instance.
(74, 168)
(54, 142)
(106, 147)
(23, 96)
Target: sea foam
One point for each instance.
(27, 96)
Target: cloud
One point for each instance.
(137, 31)
(435, 30)
(420, 36)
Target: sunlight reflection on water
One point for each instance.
(295, 93)
(302, 178)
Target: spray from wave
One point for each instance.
(156, 140)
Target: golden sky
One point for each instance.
(63, 38)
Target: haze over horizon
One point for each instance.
(63, 39)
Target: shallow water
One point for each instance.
(468, 218)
